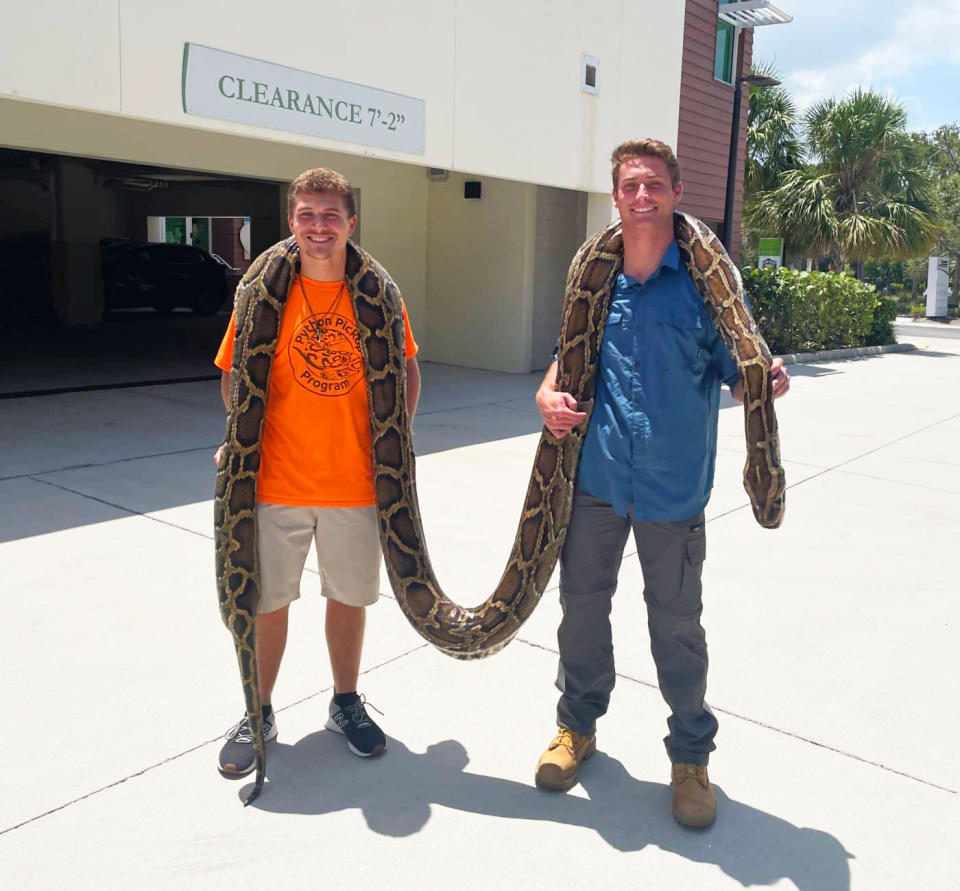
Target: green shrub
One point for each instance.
(881, 328)
(806, 311)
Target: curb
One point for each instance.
(846, 353)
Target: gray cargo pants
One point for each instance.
(671, 557)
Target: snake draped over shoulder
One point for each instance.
(458, 631)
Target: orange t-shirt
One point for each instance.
(316, 449)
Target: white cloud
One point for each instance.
(924, 34)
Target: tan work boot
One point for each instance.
(558, 765)
(694, 803)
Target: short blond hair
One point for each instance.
(644, 148)
(322, 180)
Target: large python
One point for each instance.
(458, 631)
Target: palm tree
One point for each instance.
(866, 192)
(773, 143)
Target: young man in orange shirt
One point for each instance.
(316, 474)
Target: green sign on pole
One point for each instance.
(770, 252)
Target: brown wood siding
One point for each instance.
(706, 115)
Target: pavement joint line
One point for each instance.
(775, 729)
(878, 448)
(195, 748)
(138, 513)
(883, 479)
(35, 473)
(132, 512)
(115, 783)
(372, 668)
(135, 513)
(464, 407)
(791, 461)
(172, 397)
(827, 470)
(920, 459)
(92, 388)
(521, 410)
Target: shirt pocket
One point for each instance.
(684, 340)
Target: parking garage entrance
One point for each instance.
(116, 274)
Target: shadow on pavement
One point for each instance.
(934, 354)
(128, 346)
(83, 458)
(458, 428)
(811, 370)
(317, 776)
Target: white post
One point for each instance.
(937, 287)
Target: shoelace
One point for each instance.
(564, 738)
(241, 732)
(357, 711)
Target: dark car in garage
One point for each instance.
(164, 276)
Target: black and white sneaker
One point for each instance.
(238, 757)
(364, 737)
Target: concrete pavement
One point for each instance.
(922, 329)
(833, 645)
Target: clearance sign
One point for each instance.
(228, 87)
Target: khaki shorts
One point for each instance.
(348, 553)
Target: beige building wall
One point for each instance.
(480, 263)
(500, 79)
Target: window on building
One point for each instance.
(726, 43)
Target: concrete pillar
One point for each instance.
(75, 244)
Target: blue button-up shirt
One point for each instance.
(652, 440)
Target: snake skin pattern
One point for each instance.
(461, 632)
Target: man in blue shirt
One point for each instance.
(647, 463)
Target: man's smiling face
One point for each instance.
(320, 224)
(644, 194)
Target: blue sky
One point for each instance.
(910, 50)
